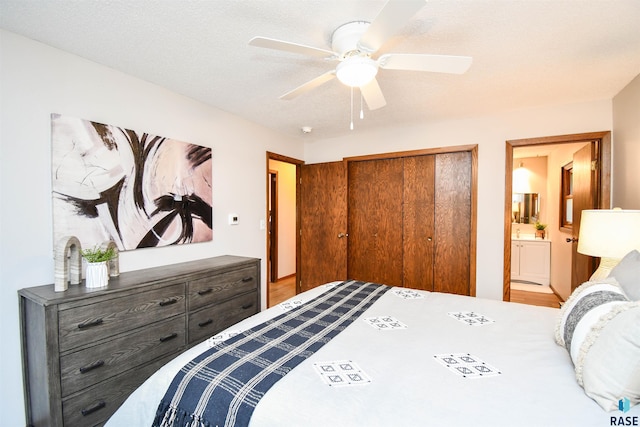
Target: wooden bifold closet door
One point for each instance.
(409, 221)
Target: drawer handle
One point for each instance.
(246, 306)
(205, 291)
(91, 367)
(168, 302)
(90, 324)
(247, 279)
(168, 337)
(94, 408)
(205, 323)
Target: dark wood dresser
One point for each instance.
(85, 350)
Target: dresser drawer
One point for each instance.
(213, 319)
(221, 287)
(90, 365)
(90, 323)
(96, 404)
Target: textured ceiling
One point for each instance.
(525, 53)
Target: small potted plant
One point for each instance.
(540, 229)
(97, 275)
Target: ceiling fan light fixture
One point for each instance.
(356, 71)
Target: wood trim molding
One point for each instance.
(604, 183)
(412, 153)
(474, 222)
(280, 157)
(508, 189)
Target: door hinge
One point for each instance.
(301, 231)
(300, 181)
(594, 165)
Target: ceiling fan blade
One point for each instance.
(390, 20)
(372, 94)
(310, 85)
(432, 63)
(290, 47)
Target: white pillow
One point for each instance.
(600, 328)
(608, 365)
(627, 274)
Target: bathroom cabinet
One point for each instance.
(531, 261)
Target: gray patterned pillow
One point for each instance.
(584, 299)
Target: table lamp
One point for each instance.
(609, 234)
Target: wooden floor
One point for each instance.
(286, 288)
(281, 290)
(535, 298)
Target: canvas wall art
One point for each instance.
(137, 189)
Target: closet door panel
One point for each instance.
(323, 219)
(375, 221)
(452, 222)
(418, 215)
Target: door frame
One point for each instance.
(297, 163)
(272, 227)
(603, 139)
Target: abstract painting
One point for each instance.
(137, 189)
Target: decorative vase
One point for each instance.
(540, 234)
(97, 275)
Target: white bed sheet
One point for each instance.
(536, 387)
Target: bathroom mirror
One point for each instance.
(525, 208)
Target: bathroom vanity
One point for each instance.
(530, 260)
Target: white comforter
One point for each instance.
(408, 386)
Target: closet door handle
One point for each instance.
(341, 235)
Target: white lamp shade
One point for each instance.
(608, 233)
(521, 180)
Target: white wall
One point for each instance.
(286, 217)
(36, 81)
(626, 146)
(490, 133)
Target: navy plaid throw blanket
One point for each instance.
(222, 386)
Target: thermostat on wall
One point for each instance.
(233, 219)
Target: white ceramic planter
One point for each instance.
(97, 275)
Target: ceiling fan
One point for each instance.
(353, 45)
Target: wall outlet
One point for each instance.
(233, 219)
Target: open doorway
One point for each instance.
(282, 228)
(593, 177)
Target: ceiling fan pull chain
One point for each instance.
(351, 124)
(361, 106)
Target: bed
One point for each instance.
(411, 358)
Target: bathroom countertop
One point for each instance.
(529, 237)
